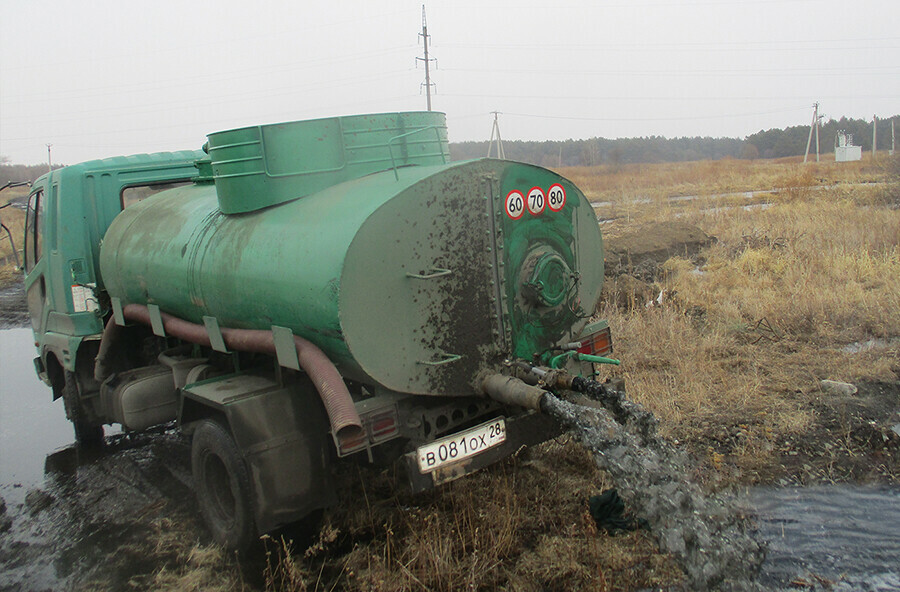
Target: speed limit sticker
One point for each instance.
(515, 204)
(536, 201)
(556, 197)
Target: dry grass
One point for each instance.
(522, 525)
(766, 312)
(709, 177)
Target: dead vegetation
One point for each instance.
(524, 525)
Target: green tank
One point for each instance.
(412, 273)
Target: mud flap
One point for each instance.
(282, 433)
(528, 429)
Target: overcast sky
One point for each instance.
(98, 79)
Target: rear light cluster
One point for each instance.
(378, 426)
(597, 344)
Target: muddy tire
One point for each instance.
(222, 483)
(86, 433)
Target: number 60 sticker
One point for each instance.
(515, 204)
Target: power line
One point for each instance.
(864, 70)
(691, 118)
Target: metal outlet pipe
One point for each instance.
(512, 391)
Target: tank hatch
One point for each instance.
(261, 166)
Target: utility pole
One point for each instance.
(813, 125)
(818, 117)
(49, 160)
(874, 135)
(496, 131)
(892, 136)
(428, 84)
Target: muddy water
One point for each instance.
(709, 536)
(837, 537)
(31, 423)
(80, 519)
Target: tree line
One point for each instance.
(19, 173)
(772, 143)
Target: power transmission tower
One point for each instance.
(49, 160)
(496, 131)
(813, 125)
(892, 136)
(428, 83)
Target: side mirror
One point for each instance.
(5, 228)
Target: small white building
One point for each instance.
(844, 150)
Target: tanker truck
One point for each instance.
(297, 295)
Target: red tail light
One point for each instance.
(597, 344)
(378, 426)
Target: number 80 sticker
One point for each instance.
(515, 204)
(556, 197)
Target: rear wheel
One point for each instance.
(222, 482)
(86, 433)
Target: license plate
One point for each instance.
(460, 446)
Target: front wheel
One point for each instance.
(222, 482)
(86, 433)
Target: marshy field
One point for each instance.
(734, 289)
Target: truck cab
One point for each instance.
(69, 210)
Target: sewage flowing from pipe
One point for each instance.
(710, 537)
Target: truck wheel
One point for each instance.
(222, 482)
(86, 433)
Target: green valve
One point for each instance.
(560, 360)
(596, 359)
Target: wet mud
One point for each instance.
(98, 519)
(80, 519)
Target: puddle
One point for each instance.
(32, 425)
(837, 537)
(639, 199)
(99, 509)
(874, 343)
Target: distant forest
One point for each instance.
(773, 143)
(17, 173)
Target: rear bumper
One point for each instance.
(527, 429)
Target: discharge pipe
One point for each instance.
(345, 421)
(512, 391)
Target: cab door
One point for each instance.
(35, 262)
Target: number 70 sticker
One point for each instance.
(535, 201)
